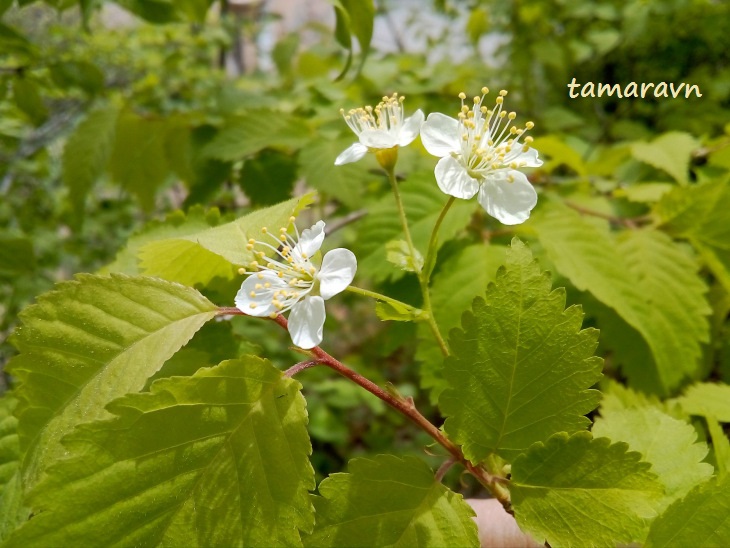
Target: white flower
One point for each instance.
(380, 128)
(293, 282)
(481, 155)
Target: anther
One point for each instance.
(485, 90)
(462, 95)
(503, 92)
(529, 125)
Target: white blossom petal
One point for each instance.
(440, 134)
(453, 179)
(306, 322)
(338, 270)
(508, 202)
(262, 298)
(351, 154)
(309, 242)
(378, 138)
(410, 129)
(529, 158)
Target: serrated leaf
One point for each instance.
(707, 400)
(645, 192)
(701, 213)
(216, 459)
(256, 130)
(12, 511)
(647, 279)
(87, 152)
(399, 254)
(453, 289)
(395, 312)
(423, 202)
(670, 445)
(390, 501)
(702, 518)
(138, 160)
(521, 367)
(198, 257)
(88, 342)
(670, 153)
(579, 491)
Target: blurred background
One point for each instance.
(120, 119)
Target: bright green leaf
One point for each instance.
(88, 342)
(398, 253)
(720, 446)
(702, 518)
(216, 459)
(646, 278)
(560, 153)
(578, 491)
(12, 512)
(707, 400)
(453, 289)
(197, 257)
(670, 153)
(521, 367)
(670, 445)
(390, 501)
(395, 312)
(87, 152)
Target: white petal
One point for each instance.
(309, 242)
(529, 158)
(338, 270)
(453, 179)
(306, 322)
(440, 134)
(508, 202)
(378, 138)
(263, 297)
(351, 154)
(410, 128)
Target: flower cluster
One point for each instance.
(480, 150)
(292, 280)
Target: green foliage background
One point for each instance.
(139, 151)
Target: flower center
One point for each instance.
(489, 140)
(387, 116)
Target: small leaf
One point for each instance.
(670, 445)
(578, 491)
(399, 254)
(708, 400)
(395, 312)
(216, 459)
(390, 501)
(521, 367)
(87, 152)
(702, 518)
(720, 446)
(670, 153)
(12, 511)
(103, 336)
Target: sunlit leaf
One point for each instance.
(708, 400)
(670, 152)
(217, 459)
(578, 491)
(390, 501)
(521, 367)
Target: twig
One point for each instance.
(301, 366)
(628, 222)
(445, 467)
(405, 406)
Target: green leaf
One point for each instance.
(702, 518)
(138, 161)
(198, 257)
(464, 277)
(77, 73)
(28, 99)
(256, 130)
(354, 18)
(521, 367)
(423, 202)
(216, 459)
(720, 446)
(646, 278)
(12, 512)
(399, 254)
(269, 178)
(17, 257)
(87, 152)
(390, 501)
(708, 400)
(670, 153)
(395, 312)
(89, 341)
(670, 445)
(346, 183)
(578, 491)
(560, 153)
(701, 213)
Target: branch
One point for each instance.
(344, 221)
(301, 366)
(628, 222)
